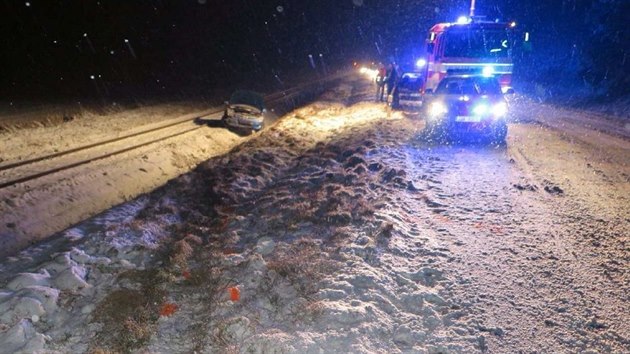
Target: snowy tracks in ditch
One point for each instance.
(327, 251)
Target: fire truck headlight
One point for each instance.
(421, 63)
(488, 71)
(437, 109)
(499, 110)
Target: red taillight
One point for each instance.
(505, 80)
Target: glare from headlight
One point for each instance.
(487, 71)
(370, 73)
(480, 109)
(463, 20)
(499, 109)
(437, 108)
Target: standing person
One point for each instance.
(397, 86)
(392, 80)
(380, 82)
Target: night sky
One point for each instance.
(111, 49)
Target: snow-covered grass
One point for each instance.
(48, 132)
(571, 95)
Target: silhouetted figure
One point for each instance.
(392, 82)
(380, 82)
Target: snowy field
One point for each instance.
(342, 228)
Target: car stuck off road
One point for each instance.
(245, 111)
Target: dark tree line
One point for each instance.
(606, 65)
(116, 48)
(577, 44)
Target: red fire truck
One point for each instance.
(469, 46)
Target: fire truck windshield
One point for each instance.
(476, 43)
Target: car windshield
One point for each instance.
(469, 86)
(249, 98)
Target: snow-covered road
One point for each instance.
(342, 229)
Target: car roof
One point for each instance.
(488, 85)
(471, 76)
(475, 78)
(247, 97)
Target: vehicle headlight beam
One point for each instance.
(487, 71)
(437, 109)
(499, 110)
(481, 109)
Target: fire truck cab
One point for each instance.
(471, 47)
